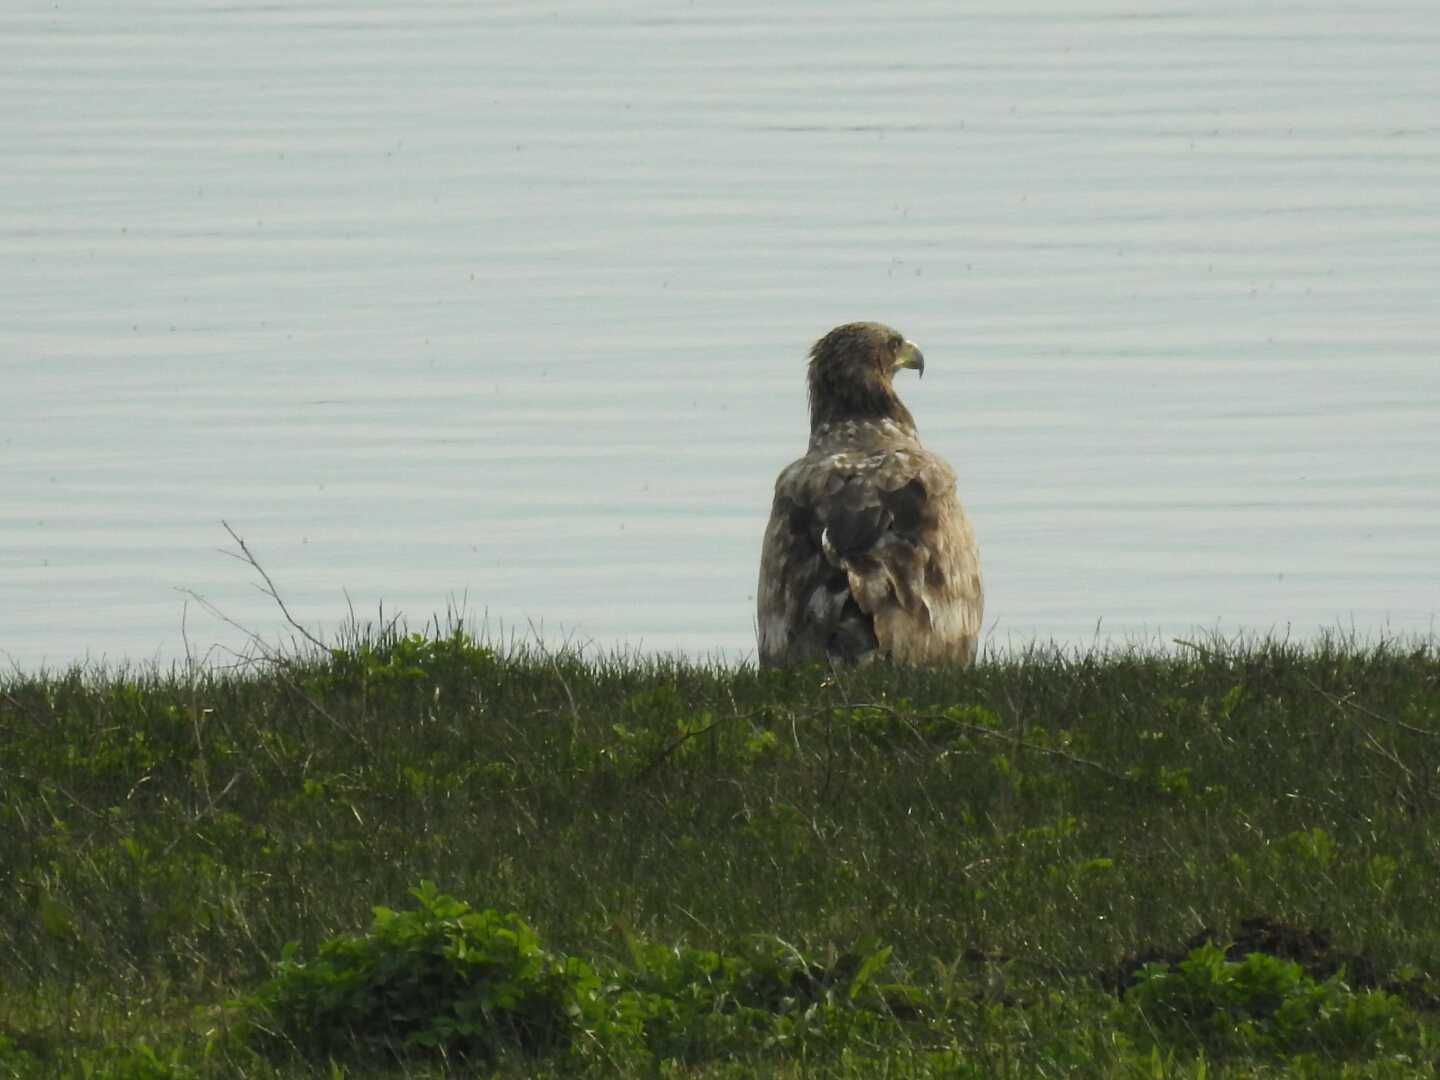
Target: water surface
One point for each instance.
(507, 306)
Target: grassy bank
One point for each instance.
(653, 868)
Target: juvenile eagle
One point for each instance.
(868, 552)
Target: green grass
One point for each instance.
(655, 868)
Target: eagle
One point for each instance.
(868, 554)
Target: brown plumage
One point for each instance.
(868, 553)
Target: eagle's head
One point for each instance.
(852, 369)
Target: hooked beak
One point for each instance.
(910, 356)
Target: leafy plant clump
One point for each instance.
(442, 976)
(1259, 1004)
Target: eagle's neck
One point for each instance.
(833, 407)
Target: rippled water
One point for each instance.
(505, 304)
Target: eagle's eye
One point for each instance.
(896, 341)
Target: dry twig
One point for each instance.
(246, 557)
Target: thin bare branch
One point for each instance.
(270, 590)
(1343, 703)
(685, 736)
(279, 662)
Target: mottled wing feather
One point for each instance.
(868, 551)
